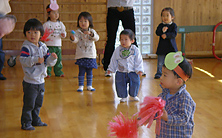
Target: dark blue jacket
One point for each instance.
(169, 44)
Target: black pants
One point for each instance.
(2, 58)
(32, 102)
(112, 23)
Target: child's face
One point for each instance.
(54, 15)
(167, 17)
(33, 36)
(168, 79)
(84, 23)
(125, 41)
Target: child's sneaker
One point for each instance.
(62, 75)
(123, 100)
(90, 88)
(135, 98)
(47, 76)
(27, 127)
(107, 74)
(80, 89)
(39, 124)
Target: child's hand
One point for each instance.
(165, 115)
(62, 34)
(140, 73)
(72, 37)
(87, 32)
(54, 55)
(163, 36)
(40, 60)
(164, 29)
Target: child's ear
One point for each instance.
(179, 81)
(132, 41)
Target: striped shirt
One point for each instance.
(180, 108)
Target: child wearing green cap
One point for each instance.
(178, 115)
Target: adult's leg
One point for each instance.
(112, 23)
(128, 21)
(2, 60)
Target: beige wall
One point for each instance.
(69, 11)
(187, 13)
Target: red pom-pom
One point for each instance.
(149, 108)
(123, 127)
(46, 34)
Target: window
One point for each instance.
(143, 20)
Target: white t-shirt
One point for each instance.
(57, 28)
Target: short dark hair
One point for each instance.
(186, 67)
(87, 16)
(170, 10)
(33, 24)
(128, 32)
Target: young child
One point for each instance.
(178, 116)
(85, 38)
(54, 42)
(167, 31)
(34, 58)
(127, 62)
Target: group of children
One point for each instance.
(37, 58)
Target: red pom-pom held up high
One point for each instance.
(123, 127)
(150, 107)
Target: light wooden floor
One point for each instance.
(70, 114)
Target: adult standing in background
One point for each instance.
(7, 24)
(117, 10)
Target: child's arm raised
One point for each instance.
(93, 35)
(172, 33)
(159, 30)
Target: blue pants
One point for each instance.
(121, 81)
(2, 58)
(89, 76)
(160, 63)
(32, 102)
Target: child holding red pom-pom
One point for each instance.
(177, 120)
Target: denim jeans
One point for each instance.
(32, 102)
(121, 81)
(160, 63)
